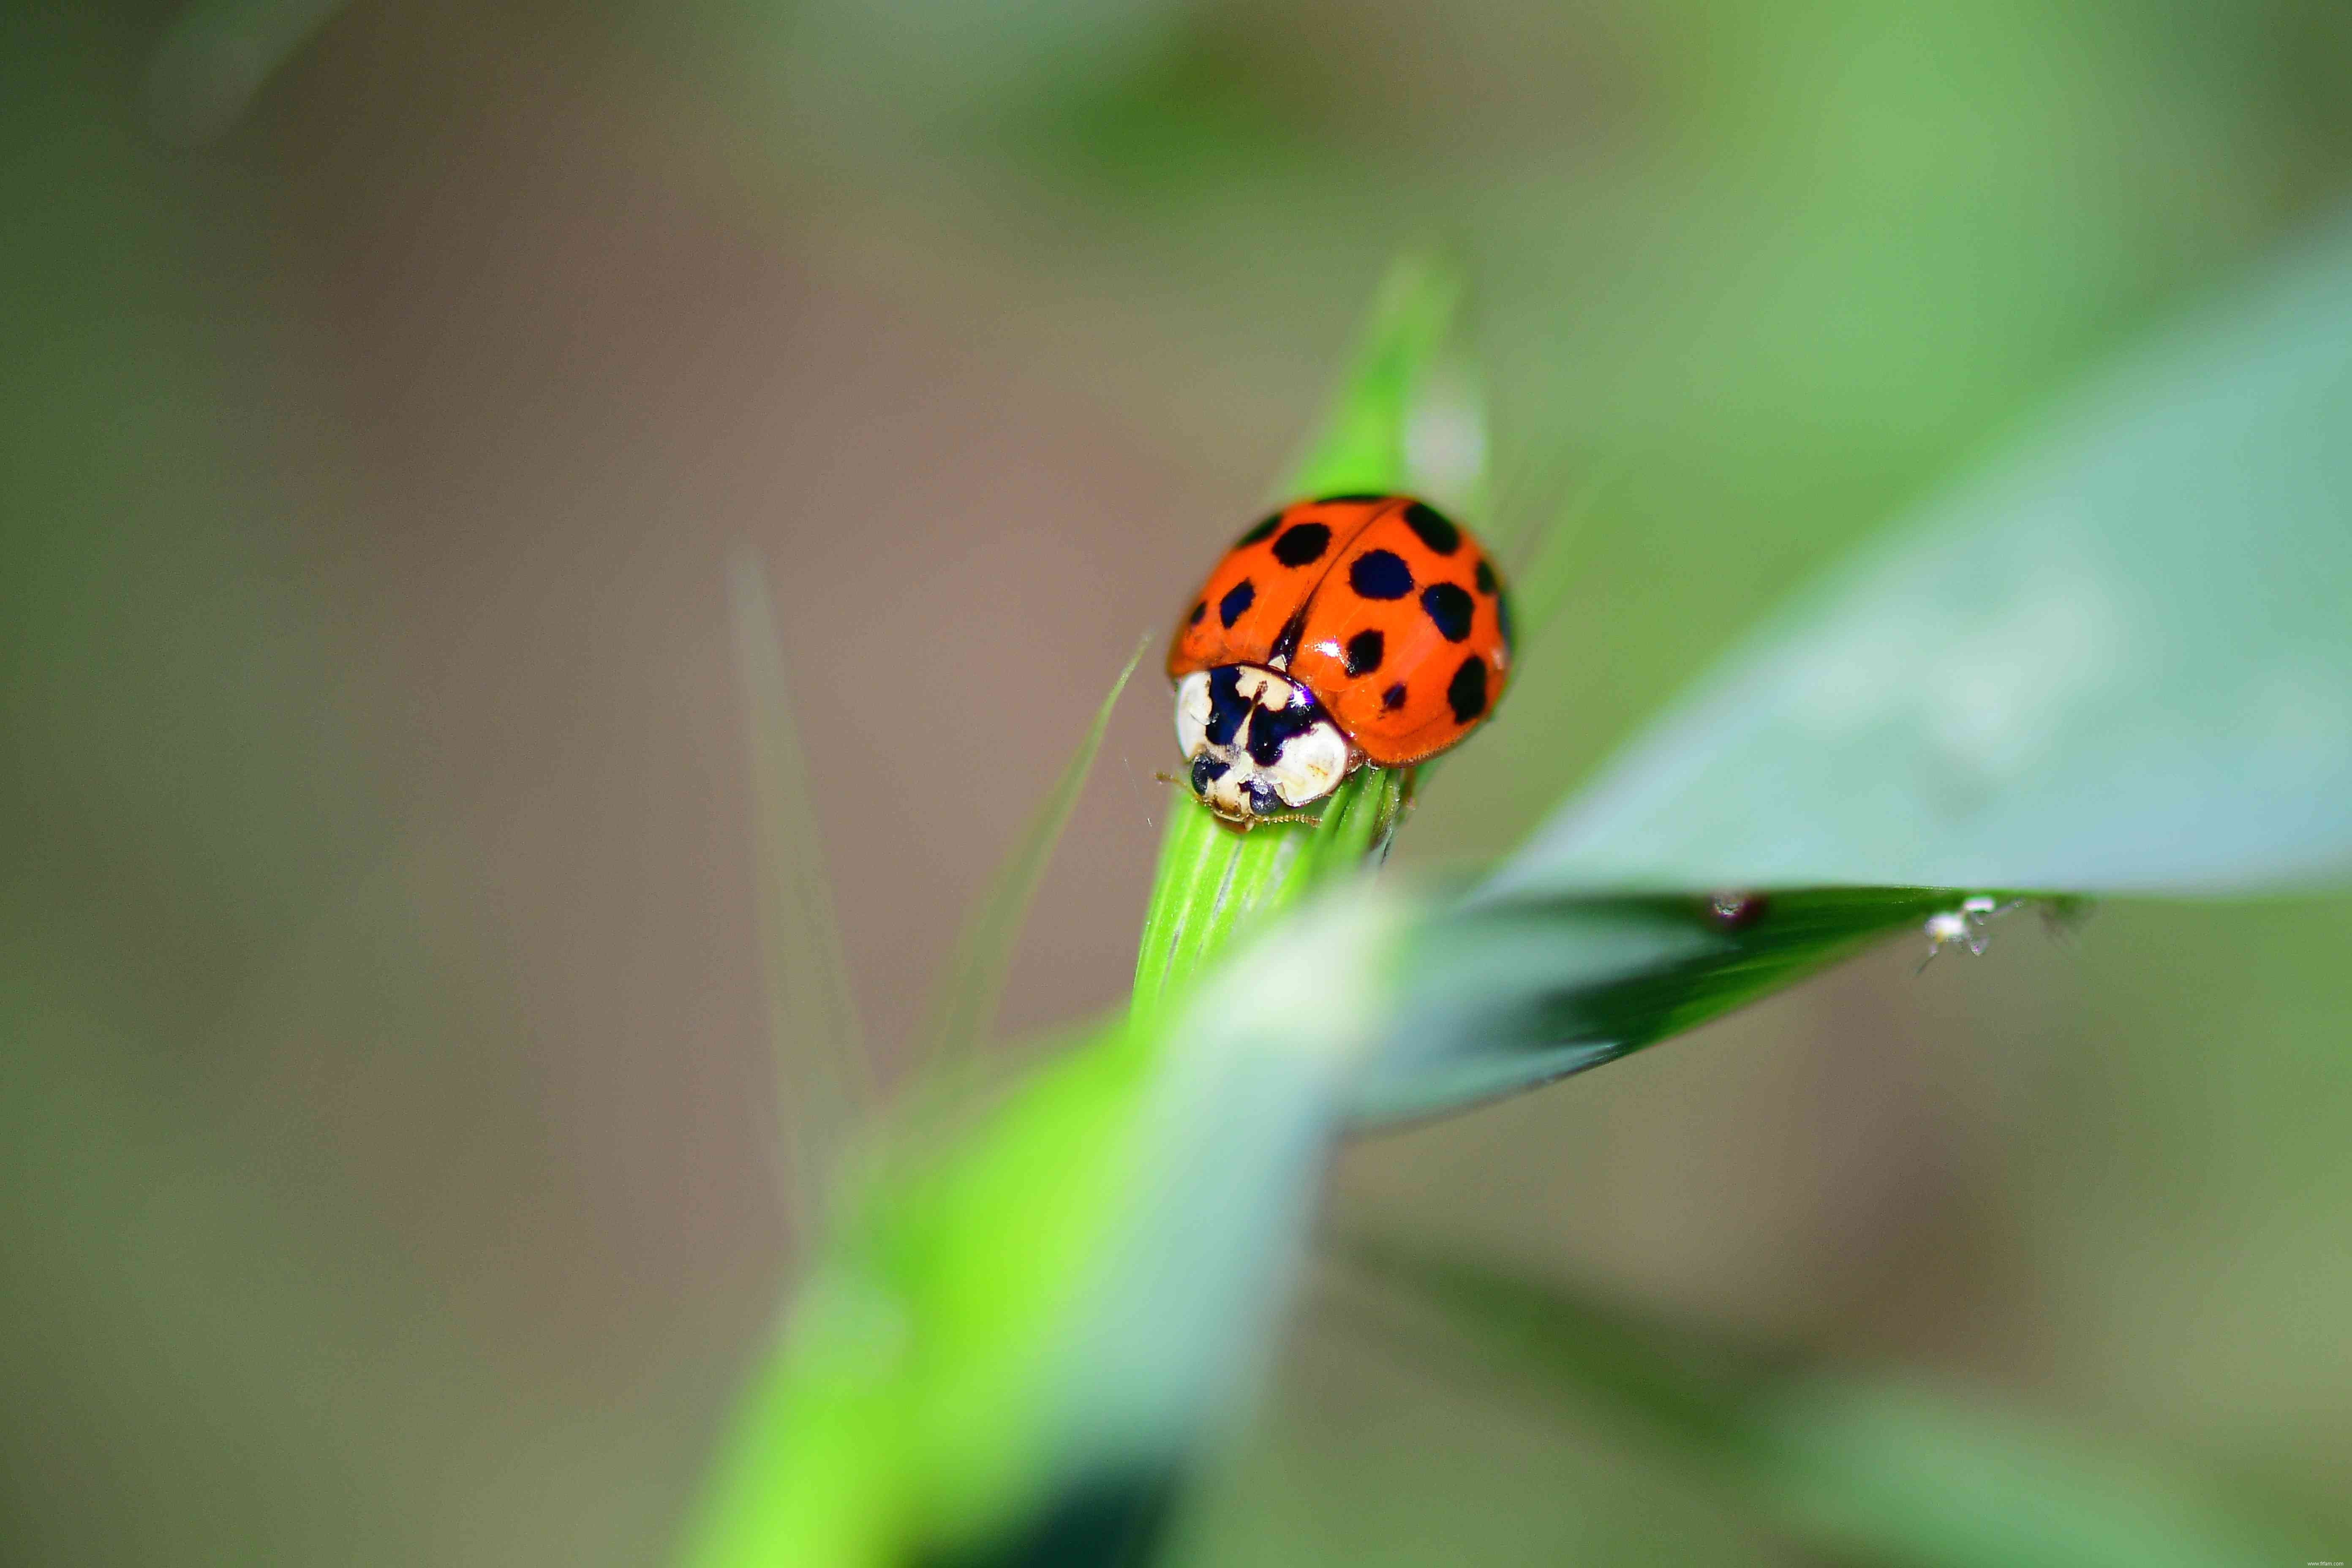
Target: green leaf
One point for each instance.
(825, 1086)
(2121, 661)
(966, 1004)
(1500, 995)
(218, 54)
(904, 1398)
(1400, 381)
(1548, 561)
(1071, 1294)
(1229, 1149)
(1877, 1471)
(1919, 1478)
(1659, 1382)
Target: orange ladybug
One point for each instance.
(1337, 632)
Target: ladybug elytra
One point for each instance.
(1336, 632)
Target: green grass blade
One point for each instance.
(2120, 661)
(1405, 417)
(1870, 1471)
(1498, 996)
(825, 1088)
(1661, 1383)
(966, 1006)
(1214, 882)
(1547, 566)
(1399, 369)
(1919, 1479)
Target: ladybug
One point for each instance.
(1353, 630)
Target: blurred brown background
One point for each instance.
(387, 1160)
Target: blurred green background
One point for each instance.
(385, 1157)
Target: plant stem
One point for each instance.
(1216, 880)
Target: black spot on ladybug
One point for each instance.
(1333, 501)
(1485, 578)
(1302, 545)
(1378, 575)
(1364, 651)
(1206, 770)
(1227, 706)
(1198, 611)
(1393, 698)
(1435, 530)
(1271, 730)
(1467, 692)
(1264, 530)
(1502, 619)
(1237, 599)
(1449, 606)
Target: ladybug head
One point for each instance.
(1256, 743)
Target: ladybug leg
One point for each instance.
(1243, 824)
(1402, 809)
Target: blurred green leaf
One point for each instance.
(1547, 563)
(1917, 1478)
(1401, 384)
(1876, 1471)
(219, 55)
(1228, 1152)
(950, 61)
(903, 1397)
(1663, 1382)
(824, 1085)
(2121, 661)
(1057, 1306)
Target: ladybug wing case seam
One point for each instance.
(1272, 572)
